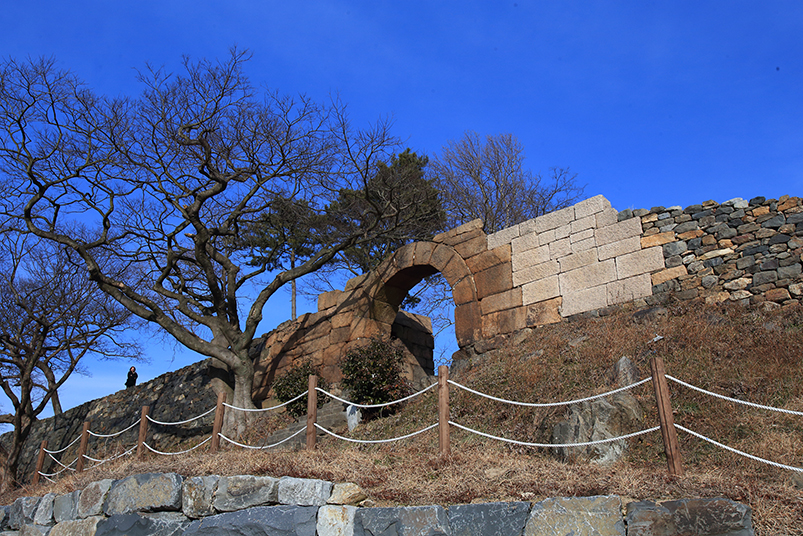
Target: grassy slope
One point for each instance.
(752, 354)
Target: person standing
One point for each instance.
(131, 381)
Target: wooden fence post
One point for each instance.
(218, 424)
(143, 431)
(668, 432)
(312, 411)
(79, 467)
(40, 462)
(443, 410)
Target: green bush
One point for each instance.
(296, 381)
(372, 375)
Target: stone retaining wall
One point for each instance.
(167, 504)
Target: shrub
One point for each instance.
(296, 381)
(372, 375)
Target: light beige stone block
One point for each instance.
(590, 206)
(527, 226)
(536, 272)
(618, 231)
(524, 242)
(629, 289)
(599, 273)
(620, 247)
(609, 216)
(716, 253)
(560, 248)
(583, 245)
(639, 262)
(584, 223)
(530, 257)
(670, 273)
(577, 260)
(584, 300)
(585, 234)
(564, 231)
(505, 236)
(546, 237)
(501, 301)
(554, 220)
(540, 290)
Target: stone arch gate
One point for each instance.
(369, 307)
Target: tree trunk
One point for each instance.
(292, 287)
(236, 422)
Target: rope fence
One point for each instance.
(444, 424)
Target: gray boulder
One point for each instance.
(578, 516)
(65, 507)
(22, 512)
(44, 512)
(409, 521)
(77, 527)
(144, 493)
(197, 496)
(139, 525)
(701, 517)
(491, 519)
(245, 491)
(304, 491)
(90, 502)
(280, 520)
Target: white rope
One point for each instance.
(150, 448)
(65, 448)
(736, 451)
(267, 409)
(61, 464)
(180, 422)
(266, 446)
(98, 463)
(90, 432)
(46, 478)
(729, 399)
(399, 401)
(551, 404)
(555, 445)
(430, 427)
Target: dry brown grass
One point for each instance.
(744, 353)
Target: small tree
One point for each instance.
(51, 317)
(296, 381)
(373, 375)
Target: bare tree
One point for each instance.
(51, 317)
(165, 183)
(484, 178)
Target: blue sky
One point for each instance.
(650, 103)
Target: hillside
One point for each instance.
(752, 354)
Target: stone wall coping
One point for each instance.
(167, 503)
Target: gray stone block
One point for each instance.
(304, 491)
(33, 530)
(761, 278)
(578, 516)
(144, 493)
(65, 507)
(139, 525)
(44, 512)
(336, 520)
(22, 512)
(281, 520)
(403, 521)
(197, 495)
(789, 272)
(701, 517)
(675, 248)
(492, 519)
(90, 502)
(245, 491)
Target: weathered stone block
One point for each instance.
(328, 299)
(582, 235)
(499, 302)
(409, 521)
(609, 216)
(304, 491)
(629, 289)
(621, 247)
(703, 517)
(144, 493)
(455, 270)
(260, 521)
(44, 512)
(336, 520)
(80, 527)
(540, 290)
(545, 312)
(494, 280)
(534, 273)
(347, 493)
(531, 257)
(22, 511)
(639, 262)
(505, 236)
(619, 231)
(489, 259)
(90, 502)
(587, 299)
(584, 245)
(197, 495)
(657, 240)
(581, 224)
(670, 273)
(777, 295)
(555, 219)
(592, 205)
(507, 321)
(560, 248)
(245, 491)
(492, 519)
(139, 525)
(460, 233)
(472, 247)
(467, 323)
(578, 516)
(599, 273)
(65, 507)
(577, 260)
(422, 252)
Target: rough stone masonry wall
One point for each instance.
(167, 504)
